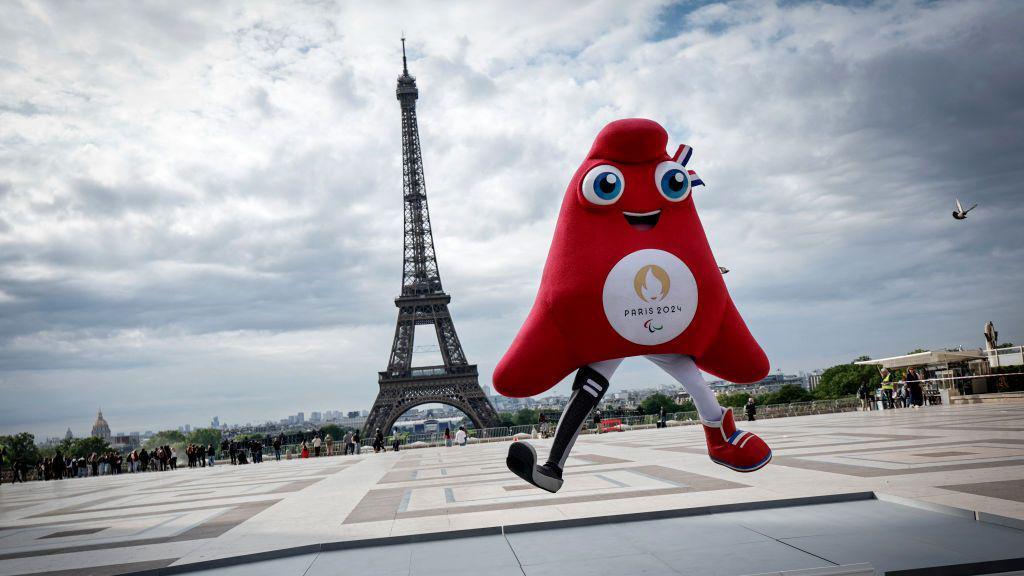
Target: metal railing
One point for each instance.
(627, 422)
(1010, 356)
(506, 433)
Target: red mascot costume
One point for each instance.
(630, 273)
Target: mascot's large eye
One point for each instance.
(603, 185)
(672, 181)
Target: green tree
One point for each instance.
(655, 402)
(83, 447)
(845, 380)
(204, 436)
(686, 406)
(734, 399)
(21, 446)
(336, 432)
(914, 351)
(166, 438)
(526, 416)
(787, 394)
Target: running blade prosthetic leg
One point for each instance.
(733, 448)
(587, 390)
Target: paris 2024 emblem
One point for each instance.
(650, 297)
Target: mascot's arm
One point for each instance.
(734, 355)
(537, 359)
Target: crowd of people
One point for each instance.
(239, 451)
(896, 392)
(106, 463)
(162, 458)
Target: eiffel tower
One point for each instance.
(423, 301)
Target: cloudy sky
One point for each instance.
(200, 208)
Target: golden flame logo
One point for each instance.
(651, 283)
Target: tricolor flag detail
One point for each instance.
(694, 179)
(683, 154)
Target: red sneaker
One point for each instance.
(733, 448)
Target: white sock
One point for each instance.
(685, 371)
(606, 367)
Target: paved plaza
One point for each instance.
(934, 472)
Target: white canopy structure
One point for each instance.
(930, 358)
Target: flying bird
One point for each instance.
(960, 213)
(723, 269)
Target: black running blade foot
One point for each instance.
(522, 461)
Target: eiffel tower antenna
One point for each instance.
(423, 301)
(405, 65)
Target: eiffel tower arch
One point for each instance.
(423, 301)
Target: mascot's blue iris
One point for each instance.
(607, 185)
(674, 184)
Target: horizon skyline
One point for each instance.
(257, 421)
(200, 207)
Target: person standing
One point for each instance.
(355, 442)
(349, 448)
(662, 417)
(461, 437)
(277, 448)
(448, 437)
(378, 441)
(305, 450)
(751, 409)
(3, 455)
(56, 471)
(211, 455)
(542, 421)
(317, 443)
(330, 444)
(916, 391)
(597, 420)
(887, 388)
(862, 393)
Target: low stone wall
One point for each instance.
(993, 398)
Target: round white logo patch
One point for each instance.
(650, 297)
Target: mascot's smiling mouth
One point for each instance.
(642, 220)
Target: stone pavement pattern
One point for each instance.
(970, 457)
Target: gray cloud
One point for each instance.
(200, 208)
